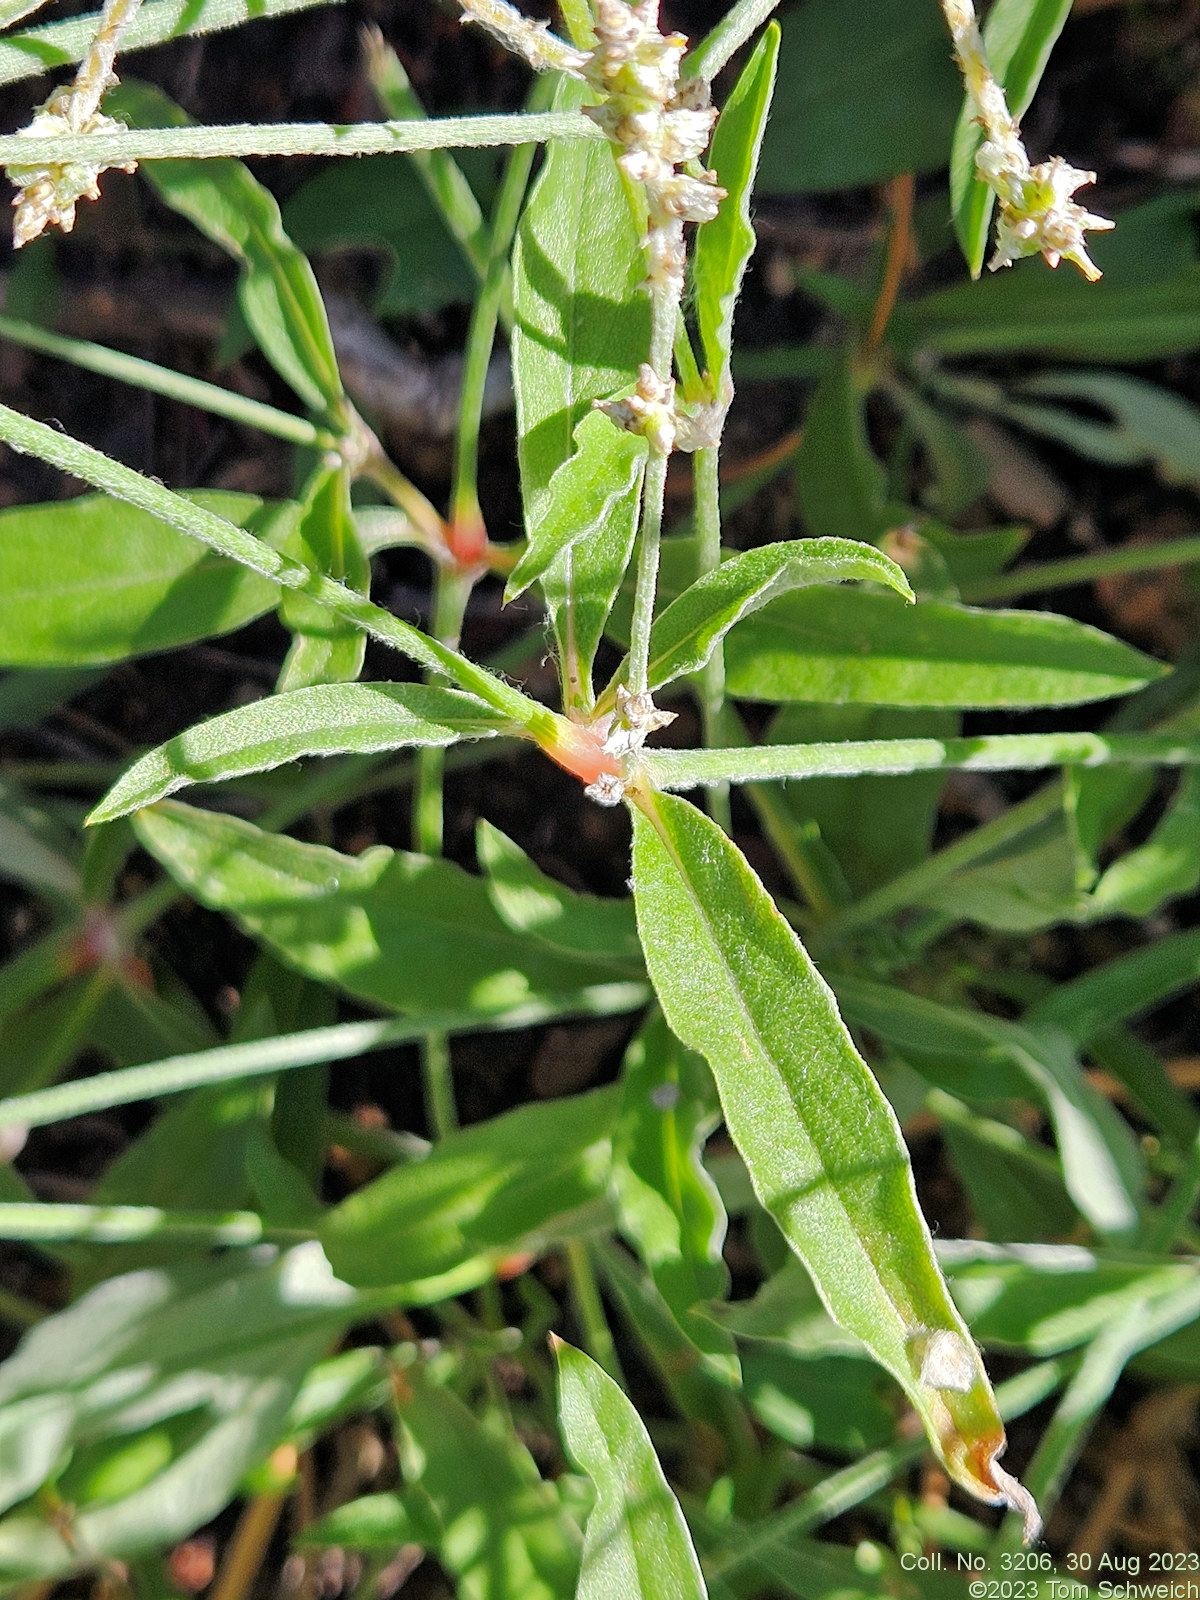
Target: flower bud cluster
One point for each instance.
(659, 125)
(626, 731)
(1036, 213)
(49, 194)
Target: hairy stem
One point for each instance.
(295, 139)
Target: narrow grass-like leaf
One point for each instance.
(636, 1544)
(725, 245)
(1018, 36)
(496, 1189)
(90, 581)
(605, 469)
(162, 380)
(330, 719)
(820, 1141)
(405, 931)
(689, 630)
(278, 291)
(686, 769)
(1121, 989)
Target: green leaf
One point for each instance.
(865, 91)
(875, 827)
(1119, 990)
(668, 1205)
(579, 590)
(373, 1522)
(329, 719)
(582, 328)
(636, 1545)
(278, 292)
(685, 635)
(1149, 423)
(581, 926)
(497, 1528)
(94, 580)
(595, 483)
(724, 245)
(1053, 1299)
(1018, 37)
(1165, 867)
(380, 200)
(841, 484)
(833, 1402)
(405, 931)
(977, 1056)
(851, 646)
(325, 648)
(499, 1188)
(820, 1141)
(36, 849)
(208, 1357)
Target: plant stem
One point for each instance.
(900, 192)
(37, 1223)
(464, 502)
(1082, 569)
(451, 590)
(664, 313)
(174, 385)
(28, 437)
(707, 503)
(1012, 752)
(58, 44)
(294, 139)
(585, 1291)
(285, 1052)
(730, 34)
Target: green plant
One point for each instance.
(139, 1412)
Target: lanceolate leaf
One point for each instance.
(636, 1545)
(500, 1529)
(326, 720)
(404, 931)
(582, 926)
(668, 1204)
(93, 580)
(325, 649)
(848, 645)
(820, 1141)
(725, 245)
(580, 498)
(442, 1225)
(1166, 867)
(691, 627)
(278, 292)
(582, 328)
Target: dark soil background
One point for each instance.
(1122, 95)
